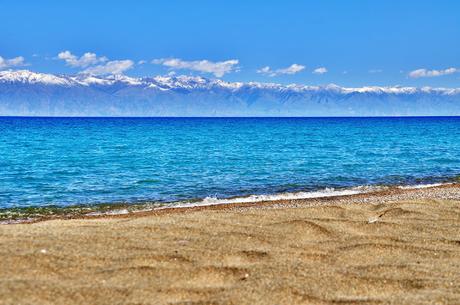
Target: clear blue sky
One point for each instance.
(358, 42)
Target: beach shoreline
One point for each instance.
(323, 198)
(397, 246)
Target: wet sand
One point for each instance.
(392, 247)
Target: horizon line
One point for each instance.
(229, 117)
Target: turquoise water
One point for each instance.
(72, 161)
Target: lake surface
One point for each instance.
(72, 161)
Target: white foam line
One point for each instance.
(111, 212)
(210, 201)
(422, 186)
(328, 192)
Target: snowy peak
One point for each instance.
(29, 77)
(88, 80)
(172, 83)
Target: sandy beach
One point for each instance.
(390, 247)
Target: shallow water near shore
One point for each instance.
(32, 214)
(80, 162)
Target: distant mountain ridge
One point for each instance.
(26, 93)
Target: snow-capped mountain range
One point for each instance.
(26, 93)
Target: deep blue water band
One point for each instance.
(68, 161)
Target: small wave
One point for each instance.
(327, 192)
(423, 186)
(111, 212)
(208, 201)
